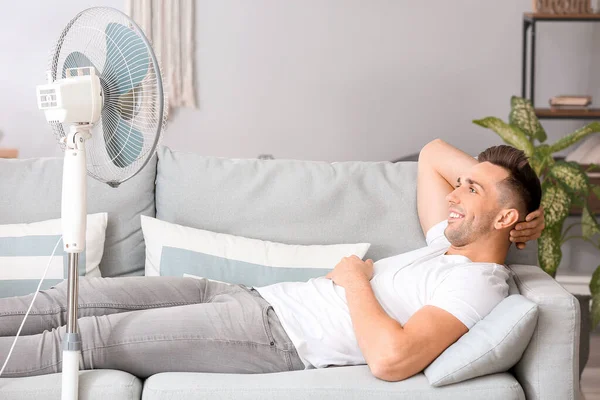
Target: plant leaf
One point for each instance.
(595, 310)
(510, 134)
(595, 290)
(589, 225)
(592, 167)
(578, 201)
(574, 137)
(549, 251)
(522, 115)
(596, 190)
(595, 282)
(541, 158)
(556, 202)
(571, 175)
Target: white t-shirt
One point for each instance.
(316, 317)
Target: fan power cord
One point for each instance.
(30, 305)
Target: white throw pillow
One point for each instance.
(175, 250)
(493, 345)
(25, 250)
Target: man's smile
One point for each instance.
(455, 215)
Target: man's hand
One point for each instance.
(351, 270)
(531, 229)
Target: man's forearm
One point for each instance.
(378, 334)
(440, 165)
(447, 160)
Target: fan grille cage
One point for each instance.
(135, 105)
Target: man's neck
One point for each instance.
(484, 250)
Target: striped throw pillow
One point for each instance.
(25, 250)
(175, 250)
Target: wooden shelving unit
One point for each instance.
(571, 113)
(530, 21)
(560, 17)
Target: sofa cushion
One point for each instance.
(31, 191)
(100, 384)
(296, 202)
(343, 383)
(175, 250)
(493, 345)
(291, 201)
(26, 250)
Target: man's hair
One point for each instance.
(522, 180)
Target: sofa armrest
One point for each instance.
(549, 368)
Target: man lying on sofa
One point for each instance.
(396, 315)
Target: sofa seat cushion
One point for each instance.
(100, 384)
(345, 383)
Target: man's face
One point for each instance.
(474, 204)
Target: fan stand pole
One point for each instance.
(72, 339)
(73, 216)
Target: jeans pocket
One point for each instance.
(267, 325)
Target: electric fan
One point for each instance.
(105, 102)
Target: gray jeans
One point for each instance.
(147, 325)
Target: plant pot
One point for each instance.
(586, 330)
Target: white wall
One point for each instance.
(321, 79)
(28, 30)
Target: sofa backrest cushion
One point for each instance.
(293, 201)
(31, 192)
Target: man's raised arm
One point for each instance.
(440, 165)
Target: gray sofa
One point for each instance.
(288, 201)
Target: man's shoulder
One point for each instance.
(479, 273)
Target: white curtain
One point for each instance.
(169, 25)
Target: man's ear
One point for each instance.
(506, 218)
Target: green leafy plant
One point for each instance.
(564, 184)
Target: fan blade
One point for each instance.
(76, 59)
(123, 141)
(126, 66)
(127, 60)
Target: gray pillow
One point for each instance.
(494, 344)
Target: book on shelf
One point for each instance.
(570, 100)
(562, 107)
(8, 153)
